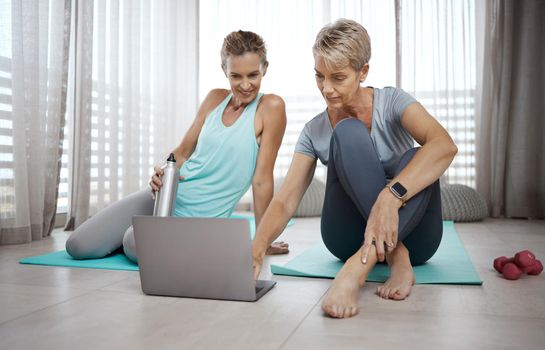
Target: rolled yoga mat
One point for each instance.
(115, 261)
(449, 265)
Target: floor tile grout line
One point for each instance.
(111, 284)
(303, 320)
(46, 307)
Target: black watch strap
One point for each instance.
(399, 191)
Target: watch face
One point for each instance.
(399, 189)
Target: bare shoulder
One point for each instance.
(215, 96)
(211, 101)
(272, 102)
(272, 110)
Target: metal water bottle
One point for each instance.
(165, 198)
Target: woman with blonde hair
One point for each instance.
(232, 144)
(382, 200)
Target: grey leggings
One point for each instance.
(110, 228)
(355, 177)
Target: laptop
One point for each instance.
(207, 258)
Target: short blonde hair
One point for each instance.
(343, 43)
(239, 42)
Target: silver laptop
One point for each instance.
(197, 258)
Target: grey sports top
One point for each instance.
(390, 138)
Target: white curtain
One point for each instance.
(432, 56)
(33, 75)
(33, 64)
(438, 67)
(136, 95)
(511, 148)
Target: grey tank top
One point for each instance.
(390, 138)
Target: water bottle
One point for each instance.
(165, 198)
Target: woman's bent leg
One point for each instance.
(420, 221)
(355, 177)
(423, 241)
(103, 233)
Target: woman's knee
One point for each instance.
(129, 244)
(76, 248)
(349, 130)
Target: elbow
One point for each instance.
(450, 151)
(453, 150)
(263, 184)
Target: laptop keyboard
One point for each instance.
(258, 289)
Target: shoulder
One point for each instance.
(216, 96)
(391, 93)
(320, 121)
(393, 102)
(272, 102)
(272, 110)
(211, 101)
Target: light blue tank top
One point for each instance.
(221, 168)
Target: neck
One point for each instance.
(360, 107)
(236, 104)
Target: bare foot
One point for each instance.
(401, 281)
(341, 300)
(277, 248)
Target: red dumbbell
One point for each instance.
(523, 262)
(535, 269)
(500, 262)
(511, 271)
(524, 258)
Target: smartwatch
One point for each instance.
(399, 191)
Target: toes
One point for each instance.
(400, 295)
(330, 310)
(348, 312)
(392, 293)
(337, 311)
(353, 311)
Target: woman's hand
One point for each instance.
(382, 226)
(277, 248)
(155, 182)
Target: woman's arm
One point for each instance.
(433, 158)
(427, 165)
(273, 110)
(186, 147)
(282, 206)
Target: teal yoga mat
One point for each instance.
(449, 265)
(115, 261)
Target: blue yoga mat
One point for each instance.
(449, 265)
(115, 261)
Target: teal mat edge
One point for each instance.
(115, 261)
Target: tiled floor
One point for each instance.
(65, 308)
